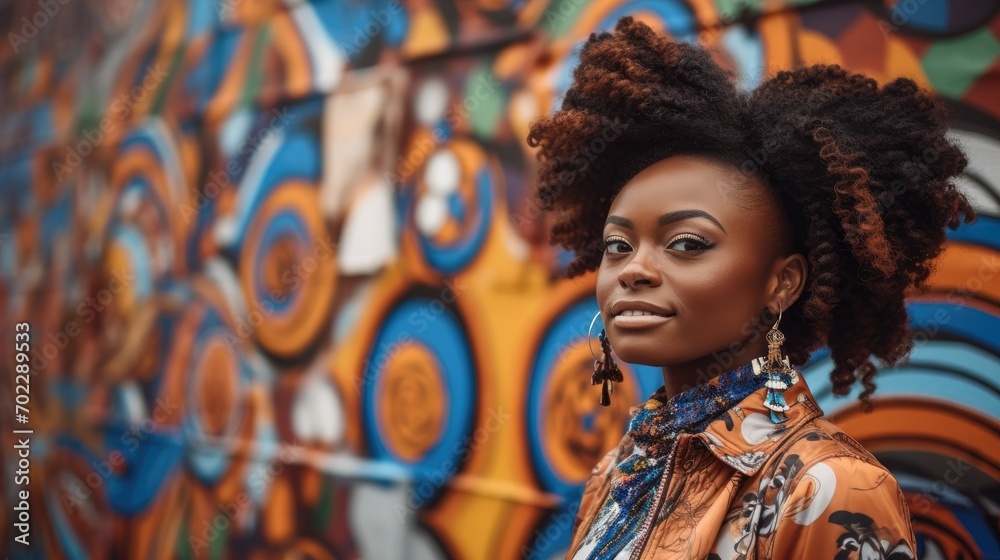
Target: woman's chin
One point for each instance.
(643, 356)
(656, 355)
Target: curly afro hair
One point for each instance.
(862, 174)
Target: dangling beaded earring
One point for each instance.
(606, 370)
(780, 374)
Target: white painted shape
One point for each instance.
(327, 60)
(443, 173)
(368, 239)
(431, 214)
(317, 414)
(431, 101)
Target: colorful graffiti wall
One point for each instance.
(286, 296)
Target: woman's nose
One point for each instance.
(639, 270)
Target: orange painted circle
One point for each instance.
(217, 387)
(413, 401)
(293, 267)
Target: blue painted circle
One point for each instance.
(432, 325)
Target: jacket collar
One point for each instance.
(745, 438)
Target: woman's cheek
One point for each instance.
(606, 285)
(720, 291)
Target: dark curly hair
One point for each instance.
(863, 176)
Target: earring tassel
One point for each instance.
(606, 394)
(606, 373)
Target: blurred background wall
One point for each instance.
(287, 296)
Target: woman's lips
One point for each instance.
(640, 321)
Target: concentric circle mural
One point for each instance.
(419, 387)
(287, 269)
(221, 220)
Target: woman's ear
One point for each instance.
(789, 281)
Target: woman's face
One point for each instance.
(693, 259)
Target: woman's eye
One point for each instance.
(688, 242)
(616, 246)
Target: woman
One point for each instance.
(734, 233)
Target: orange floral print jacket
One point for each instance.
(746, 488)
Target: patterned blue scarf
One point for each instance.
(654, 429)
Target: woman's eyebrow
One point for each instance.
(669, 218)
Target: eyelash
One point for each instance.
(705, 244)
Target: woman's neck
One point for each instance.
(678, 378)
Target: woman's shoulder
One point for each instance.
(821, 451)
(820, 440)
(826, 485)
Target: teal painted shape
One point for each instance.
(954, 65)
